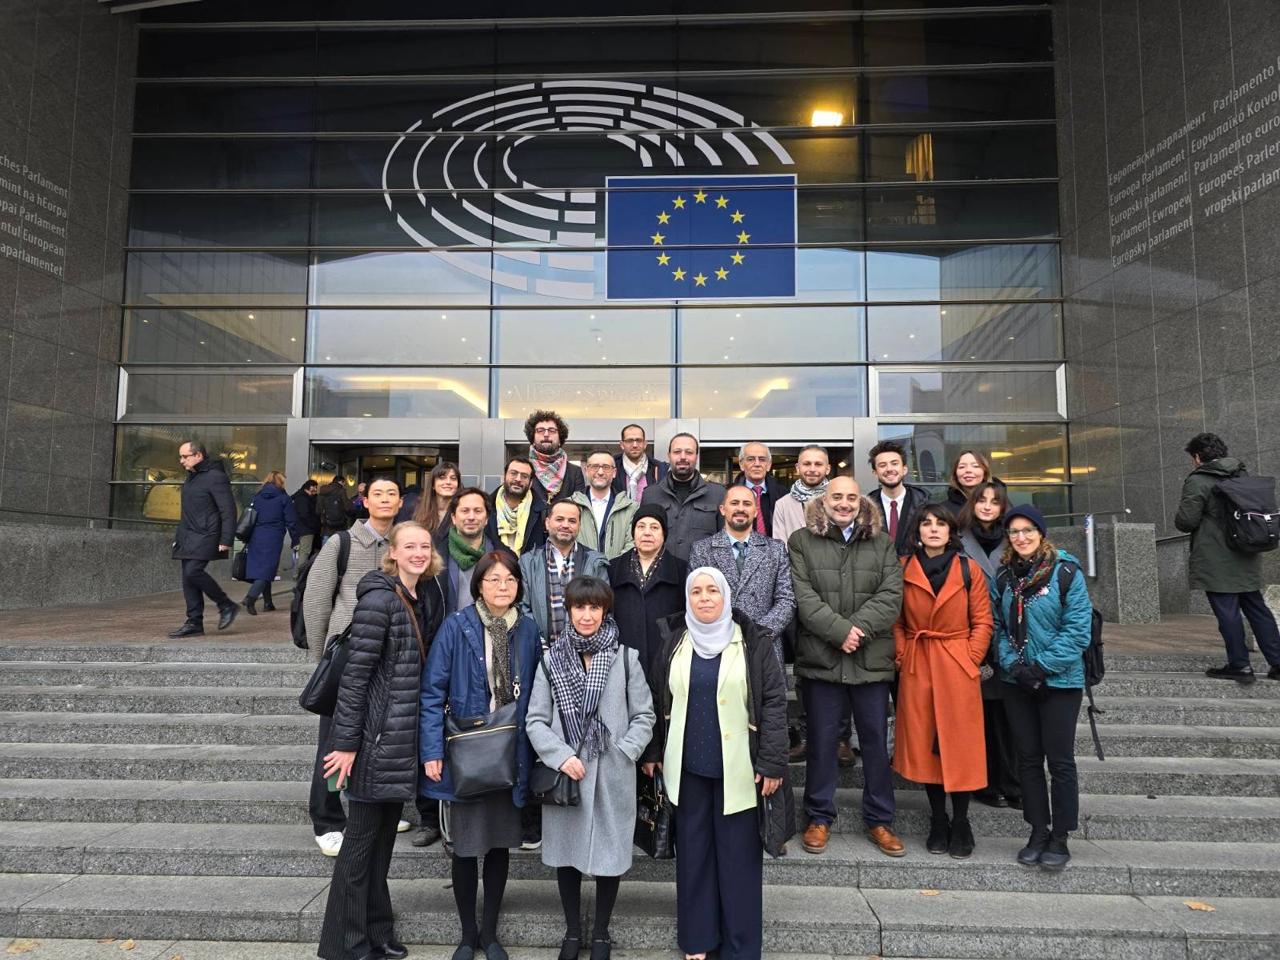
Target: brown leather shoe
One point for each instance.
(815, 838)
(798, 753)
(885, 840)
(846, 756)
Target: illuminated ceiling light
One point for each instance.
(293, 339)
(252, 317)
(1000, 454)
(1054, 470)
(944, 313)
(826, 118)
(366, 414)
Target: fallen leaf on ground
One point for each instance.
(21, 946)
(1197, 905)
(176, 956)
(928, 893)
(107, 940)
(128, 944)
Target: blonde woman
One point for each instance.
(275, 515)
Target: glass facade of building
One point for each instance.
(392, 218)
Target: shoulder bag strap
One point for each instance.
(590, 720)
(413, 619)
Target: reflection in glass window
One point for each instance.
(988, 331)
(951, 213)
(773, 392)
(766, 44)
(584, 336)
(989, 154)
(586, 392)
(218, 220)
(1018, 452)
(149, 452)
(969, 391)
(829, 274)
(925, 40)
(171, 164)
(781, 334)
(412, 279)
(199, 108)
(978, 272)
(405, 336)
(204, 392)
(215, 278)
(829, 216)
(782, 101)
(397, 392)
(199, 335)
(235, 53)
(961, 97)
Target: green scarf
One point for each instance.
(463, 554)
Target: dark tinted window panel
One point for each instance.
(963, 213)
(365, 220)
(227, 53)
(397, 107)
(989, 331)
(998, 154)
(416, 278)
(877, 5)
(777, 101)
(210, 220)
(586, 49)
(216, 278)
(197, 108)
(829, 216)
(419, 336)
(206, 164)
(961, 98)
(212, 335)
(208, 393)
(994, 271)
(384, 53)
(947, 40)
(754, 46)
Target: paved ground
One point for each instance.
(119, 949)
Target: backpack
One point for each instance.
(297, 623)
(1095, 668)
(333, 511)
(1252, 517)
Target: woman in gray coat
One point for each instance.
(590, 716)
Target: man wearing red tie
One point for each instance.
(897, 499)
(755, 462)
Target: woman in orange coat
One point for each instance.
(941, 637)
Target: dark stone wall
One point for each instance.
(1169, 147)
(66, 112)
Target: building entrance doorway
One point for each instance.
(408, 465)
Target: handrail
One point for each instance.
(86, 516)
(1087, 513)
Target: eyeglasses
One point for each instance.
(1022, 533)
(540, 431)
(599, 467)
(633, 439)
(503, 582)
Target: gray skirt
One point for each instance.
(475, 827)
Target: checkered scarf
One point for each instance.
(555, 589)
(577, 690)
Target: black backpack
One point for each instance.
(333, 511)
(297, 623)
(1252, 518)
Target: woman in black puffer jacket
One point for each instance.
(374, 739)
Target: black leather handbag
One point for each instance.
(248, 520)
(481, 751)
(320, 695)
(655, 831)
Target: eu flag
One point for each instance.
(692, 238)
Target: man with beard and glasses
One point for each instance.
(553, 475)
(517, 519)
(636, 469)
(692, 504)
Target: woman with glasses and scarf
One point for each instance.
(1043, 619)
(591, 716)
(483, 657)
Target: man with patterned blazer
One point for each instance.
(755, 566)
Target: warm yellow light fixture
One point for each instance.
(827, 118)
(1000, 454)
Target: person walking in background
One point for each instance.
(692, 503)
(982, 539)
(1231, 579)
(206, 530)
(331, 504)
(898, 500)
(275, 515)
(848, 587)
(356, 507)
(431, 507)
(605, 514)
(517, 519)
(375, 742)
(553, 475)
(327, 606)
(813, 463)
(1043, 621)
(941, 637)
(717, 677)
(484, 656)
(590, 717)
(970, 470)
(756, 461)
(636, 470)
(304, 507)
(648, 585)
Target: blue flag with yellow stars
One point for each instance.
(693, 238)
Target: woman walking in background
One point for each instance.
(275, 515)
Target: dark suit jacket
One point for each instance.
(656, 471)
(762, 591)
(773, 492)
(917, 497)
(535, 531)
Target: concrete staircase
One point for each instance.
(160, 792)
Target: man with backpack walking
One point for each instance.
(331, 506)
(1231, 523)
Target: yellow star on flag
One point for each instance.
(736, 217)
(700, 280)
(738, 258)
(658, 238)
(664, 217)
(678, 203)
(700, 197)
(722, 201)
(722, 274)
(662, 259)
(679, 273)
(743, 237)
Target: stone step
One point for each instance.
(1099, 866)
(227, 677)
(889, 923)
(171, 652)
(124, 699)
(1102, 817)
(1189, 711)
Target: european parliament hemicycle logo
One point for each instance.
(461, 179)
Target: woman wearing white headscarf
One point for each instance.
(721, 706)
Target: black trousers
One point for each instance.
(259, 588)
(1228, 607)
(197, 583)
(1002, 756)
(827, 705)
(1044, 731)
(358, 915)
(428, 811)
(325, 807)
(719, 874)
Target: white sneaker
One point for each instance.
(330, 843)
(404, 826)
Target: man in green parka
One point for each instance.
(1231, 579)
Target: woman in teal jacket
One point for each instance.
(1041, 635)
